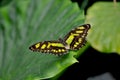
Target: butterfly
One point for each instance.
(74, 40)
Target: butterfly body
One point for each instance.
(74, 40)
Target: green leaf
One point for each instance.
(105, 32)
(23, 23)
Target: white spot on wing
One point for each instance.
(67, 47)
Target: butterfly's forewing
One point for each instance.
(54, 47)
(76, 38)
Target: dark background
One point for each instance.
(93, 63)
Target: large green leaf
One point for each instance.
(23, 23)
(105, 32)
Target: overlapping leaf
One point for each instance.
(105, 32)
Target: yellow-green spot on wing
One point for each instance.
(81, 27)
(37, 45)
(74, 34)
(57, 44)
(63, 50)
(43, 46)
(77, 43)
(79, 31)
(49, 44)
(80, 40)
(69, 39)
(59, 50)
